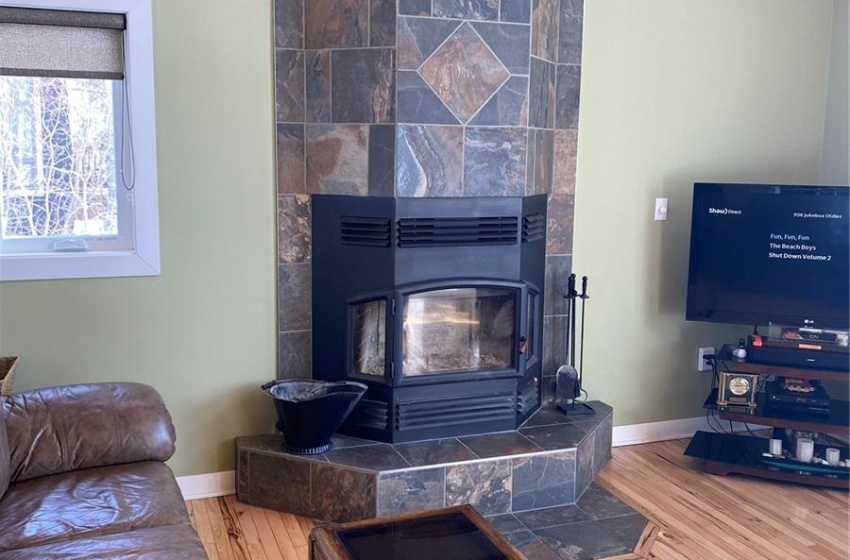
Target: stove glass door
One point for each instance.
(459, 329)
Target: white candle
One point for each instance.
(805, 450)
(833, 455)
(776, 447)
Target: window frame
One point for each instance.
(144, 258)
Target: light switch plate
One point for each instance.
(660, 209)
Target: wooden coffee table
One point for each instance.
(453, 533)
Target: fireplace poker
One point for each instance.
(584, 298)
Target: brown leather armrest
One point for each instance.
(61, 429)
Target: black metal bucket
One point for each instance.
(310, 411)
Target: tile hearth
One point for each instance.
(550, 461)
(535, 485)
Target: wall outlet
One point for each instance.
(702, 363)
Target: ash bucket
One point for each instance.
(309, 411)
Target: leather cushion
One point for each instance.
(5, 460)
(90, 503)
(175, 542)
(61, 429)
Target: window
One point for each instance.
(77, 141)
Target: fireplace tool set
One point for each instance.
(568, 378)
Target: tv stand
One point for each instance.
(725, 454)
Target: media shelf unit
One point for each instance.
(725, 454)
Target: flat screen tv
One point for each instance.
(770, 254)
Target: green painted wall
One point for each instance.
(675, 92)
(836, 137)
(203, 333)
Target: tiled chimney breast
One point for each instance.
(423, 98)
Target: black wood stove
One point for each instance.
(436, 304)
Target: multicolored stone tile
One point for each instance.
(485, 485)
(544, 481)
(382, 23)
(544, 29)
(509, 42)
(516, 11)
(363, 85)
(429, 160)
(318, 78)
(570, 33)
(289, 85)
(599, 503)
(584, 464)
(333, 24)
(554, 343)
(417, 102)
(557, 436)
(337, 159)
(464, 72)
(293, 223)
(435, 451)
(550, 517)
(274, 482)
(378, 457)
(559, 231)
(295, 356)
(541, 94)
(603, 437)
(506, 523)
(548, 389)
(381, 160)
(290, 159)
(494, 161)
(568, 91)
(288, 24)
(507, 107)
(410, 491)
(294, 290)
(558, 269)
(499, 444)
(585, 539)
(418, 38)
(542, 143)
(564, 169)
(414, 7)
(467, 9)
(332, 498)
(628, 528)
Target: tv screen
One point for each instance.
(770, 254)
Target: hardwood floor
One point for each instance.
(697, 516)
(702, 516)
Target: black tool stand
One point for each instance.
(576, 409)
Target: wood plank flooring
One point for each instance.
(693, 515)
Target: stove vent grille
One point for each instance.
(368, 232)
(433, 232)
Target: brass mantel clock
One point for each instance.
(737, 389)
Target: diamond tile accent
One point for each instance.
(464, 72)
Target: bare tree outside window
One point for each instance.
(57, 158)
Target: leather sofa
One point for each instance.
(82, 475)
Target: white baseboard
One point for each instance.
(210, 485)
(671, 429)
(213, 485)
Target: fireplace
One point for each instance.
(435, 304)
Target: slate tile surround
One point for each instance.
(528, 53)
